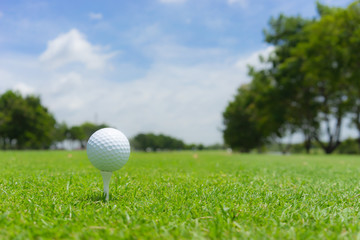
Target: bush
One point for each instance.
(349, 146)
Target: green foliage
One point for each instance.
(58, 195)
(326, 58)
(349, 146)
(290, 91)
(271, 112)
(352, 17)
(216, 146)
(24, 122)
(325, 10)
(311, 80)
(83, 132)
(77, 133)
(241, 132)
(152, 142)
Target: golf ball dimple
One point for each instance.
(108, 149)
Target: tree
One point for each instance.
(82, 133)
(325, 62)
(312, 78)
(61, 133)
(241, 131)
(289, 86)
(25, 123)
(76, 133)
(264, 110)
(348, 146)
(352, 28)
(144, 141)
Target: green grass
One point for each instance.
(179, 195)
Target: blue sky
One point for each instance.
(163, 66)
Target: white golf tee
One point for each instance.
(106, 180)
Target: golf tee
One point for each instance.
(106, 180)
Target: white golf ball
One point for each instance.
(108, 149)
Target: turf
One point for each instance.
(180, 195)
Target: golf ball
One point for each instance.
(108, 149)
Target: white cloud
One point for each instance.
(180, 90)
(172, 1)
(242, 3)
(6, 77)
(145, 35)
(72, 47)
(182, 93)
(19, 73)
(253, 59)
(185, 101)
(95, 16)
(24, 88)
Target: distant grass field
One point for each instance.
(180, 195)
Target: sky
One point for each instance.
(161, 66)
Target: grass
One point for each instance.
(180, 195)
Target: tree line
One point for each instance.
(161, 142)
(310, 83)
(26, 124)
